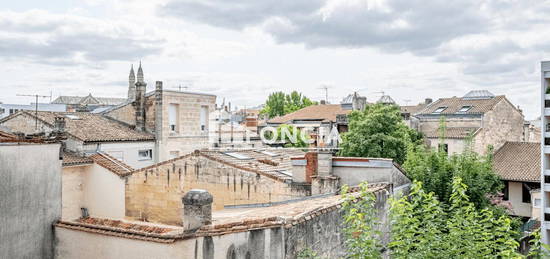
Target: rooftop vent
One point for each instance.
(72, 117)
(478, 95)
(237, 155)
(265, 152)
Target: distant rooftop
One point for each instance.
(478, 95)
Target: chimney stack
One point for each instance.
(322, 102)
(428, 101)
(324, 163)
(59, 124)
(197, 209)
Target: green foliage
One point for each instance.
(279, 103)
(378, 131)
(422, 227)
(537, 249)
(434, 168)
(362, 237)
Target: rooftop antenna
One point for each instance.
(180, 87)
(407, 101)
(36, 106)
(325, 87)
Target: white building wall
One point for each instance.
(515, 198)
(127, 152)
(104, 193)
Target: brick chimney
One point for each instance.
(197, 209)
(428, 101)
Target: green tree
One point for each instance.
(361, 224)
(422, 227)
(279, 103)
(434, 168)
(378, 131)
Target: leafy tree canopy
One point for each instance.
(378, 131)
(279, 103)
(435, 168)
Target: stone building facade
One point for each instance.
(154, 193)
(489, 119)
(179, 120)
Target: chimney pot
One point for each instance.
(197, 209)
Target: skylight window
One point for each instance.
(237, 155)
(465, 108)
(72, 117)
(285, 172)
(265, 152)
(439, 110)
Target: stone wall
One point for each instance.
(154, 194)
(73, 191)
(503, 123)
(30, 202)
(25, 124)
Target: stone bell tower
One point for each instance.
(132, 85)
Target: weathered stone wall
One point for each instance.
(155, 193)
(189, 136)
(432, 123)
(126, 114)
(30, 202)
(503, 123)
(25, 124)
(324, 234)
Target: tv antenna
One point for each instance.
(180, 87)
(36, 105)
(407, 101)
(325, 87)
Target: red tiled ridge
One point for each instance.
(71, 159)
(112, 164)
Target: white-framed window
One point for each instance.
(145, 154)
(440, 109)
(204, 118)
(465, 108)
(173, 117)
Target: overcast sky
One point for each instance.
(243, 50)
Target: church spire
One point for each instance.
(140, 73)
(132, 84)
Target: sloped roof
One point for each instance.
(386, 99)
(322, 112)
(453, 133)
(453, 105)
(88, 127)
(518, 161)
(73, 159)
(278, 166)
(412, 109)
(112, 164)
(89, 99)
(5, 136)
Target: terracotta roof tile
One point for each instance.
(453, 104)
(71, 159)
(518, 161)
(112, 164)
(89, 127)
(323, 112)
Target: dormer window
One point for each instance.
(439, 110)
(465, 108)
